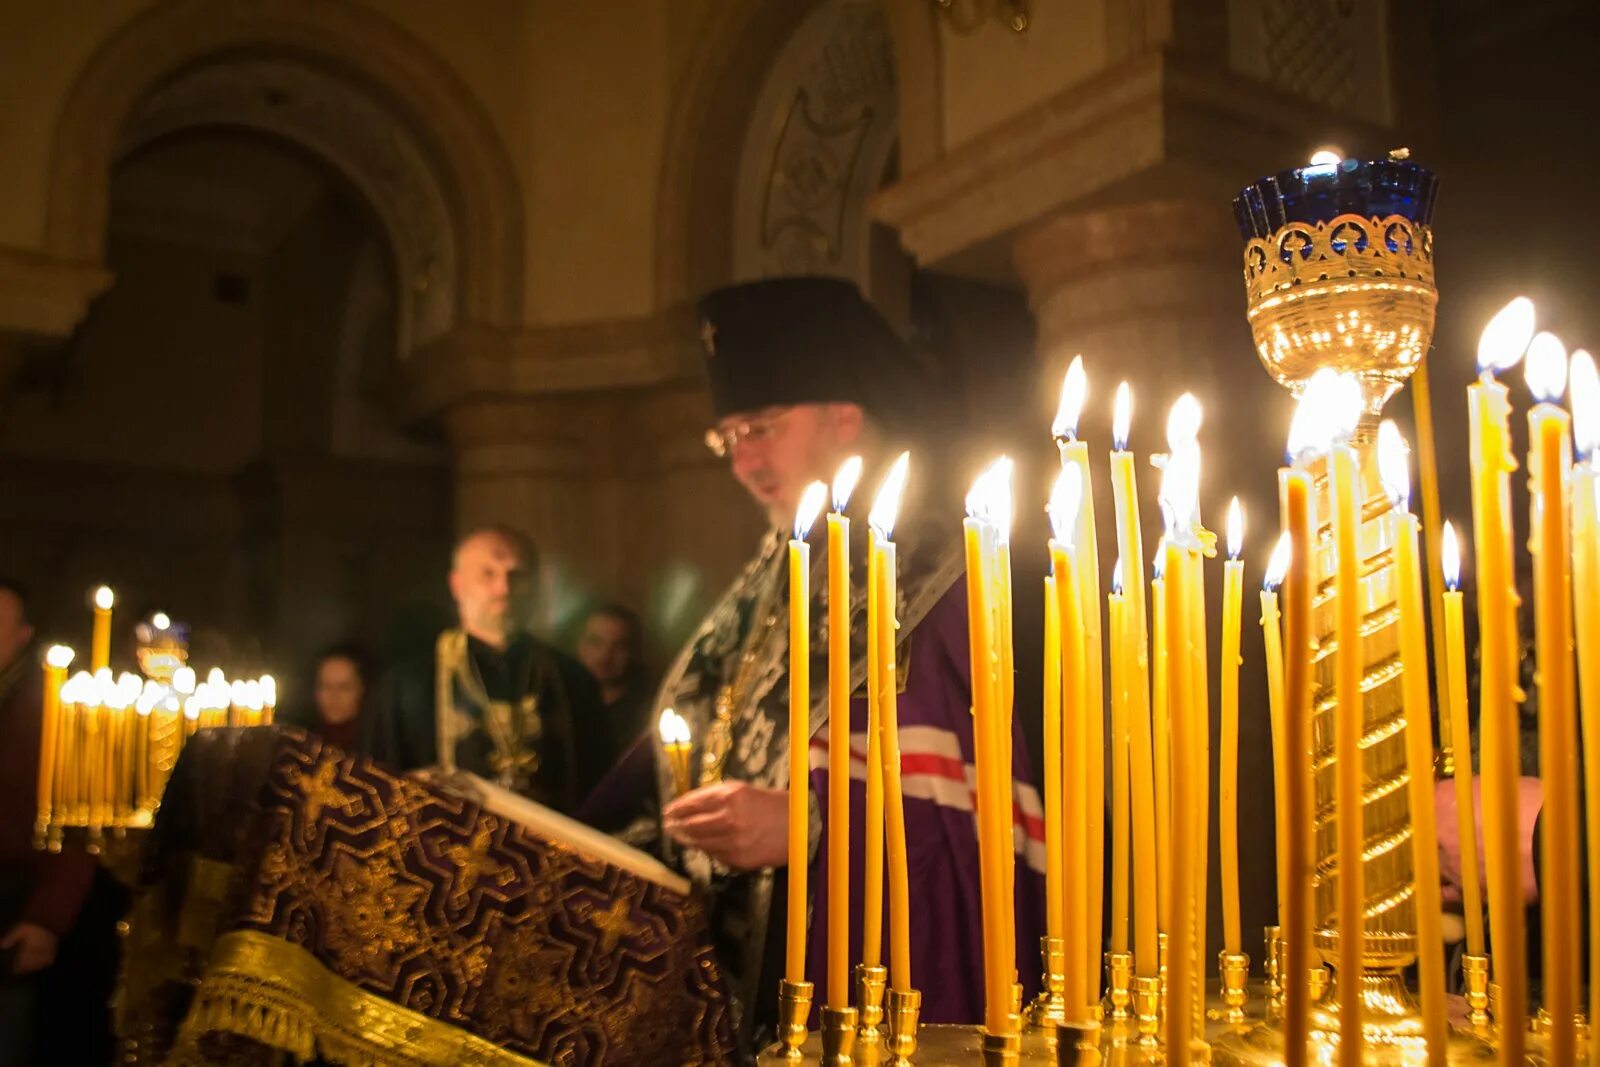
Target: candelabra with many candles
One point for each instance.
(1339, 276)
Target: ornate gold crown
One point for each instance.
(1353, 293)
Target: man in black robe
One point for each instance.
(494, 700)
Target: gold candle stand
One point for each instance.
(1119, 990)
(1049, 1007)
(870, 982)
(794, 1009)
(1475, 975)
(1234, 968)
(905, 1013)
(838, 1027)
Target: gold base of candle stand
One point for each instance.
(1234, 969)
(905, 1015)
(1049, 1007)
(839, 1037)
(1475, 973)
(794, 1011)
(1119, 987)
(871, 981)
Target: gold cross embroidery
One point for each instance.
(472, 862)
(614, 924)
(320, 791)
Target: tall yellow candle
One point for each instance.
(1054, 841)
(811, 502)
(1432, 529)
(838, 963)
(56, 662)
(1500, 347)
(872, 846)
(1065, 501)
(1404, 534)
(1142, 774)
(1228, 771)
(1116, 613)
(100, 641)
(885, 509)
(1345, 484)
(994, 840)
(1455, 663)
(1272, 654)
(1585, 397)
(1549, 526)
(1074, 453)
(1162, 730)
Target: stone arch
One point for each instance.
(136, 85)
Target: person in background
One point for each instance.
(342, 681)
(41, 893)
(611, 647)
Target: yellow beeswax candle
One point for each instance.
(800, 726)
(872, 846)
(1344, 484)
(1116, 612)
(885, 509)
(100, 642)
(1054, 883)
(1065, 501)
(1228, 772)
(1584, 392)
(1180, 891)
(1272, 654)
(838, 962)
(1455, 661)
(56, 662)
(1162, 731)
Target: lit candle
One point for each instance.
(1054, 840)
(675, 743)
(1585, 398)
(1179, 505)
(1162, 734)
(885, 509)
(1065, 501)
(1394, 472)
(1455, 661)
(1296, 503)
(100, 642)
(269, 699)
(994, 836)
(56, 662)
(1116, 611)
(1500, 347)
(1272, 653)
(1136, 649)
(1549, 528)
(838, 963)
(68, 798)
(872, 847)
(1074, 390)
(811, 501)
(1228, 772)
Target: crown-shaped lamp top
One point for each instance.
(1320, 192)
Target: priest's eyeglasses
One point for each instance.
(756, 430)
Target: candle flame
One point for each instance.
(844, 482)
(886, 505)
(1278, 562)
(161, 620)
(1121, 417)
(1506, 336)
(989, 500)
(1450, 556)
(72, 689)
(1066, 498)
(149, 697)
(1330, 407)
(1235, 528)
(104, 598)
(674, 728)
(191, 708)
(183, 679)
(1328, 156)
(1116, 577)
(1183, 422)
(269, 691)
(215, 677)
(1074, 390)
(1584, 392)
(1545, 367)
(811, 501)
(59, 657)
(1394, 464)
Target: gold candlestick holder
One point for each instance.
(905, 1012)
(1049, 1007)
(1002, 1050)
(839, 1036)
(1077, 1044)
(1119, 992)
(1274, 967)
(1147, 1011)
(1475, 973)
(1161, 971)
(870, 982)
(794, 1008)
(1235, 971)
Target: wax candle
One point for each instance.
(1065, 502)
(1272, 655)
(1403, 534)
(1549, 465)
(1074, 390)
(1500, 347)
(56, 662)
(885, 509)
(1162, 731)
(1585, 398)
(810, 507)
(1455, 661)
(1180, 893)
(872, 846)
(1142, 773)
(994, 839)
(1054, 841)
(100, 642)
(1228, 771)
(1116, 613)
(844, 483)
(1432, 518)
(675, 744)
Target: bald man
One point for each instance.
(494, 700)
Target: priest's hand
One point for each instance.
(33, 945)
(743, 826)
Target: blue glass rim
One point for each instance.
(1314, 194)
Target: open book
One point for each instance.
(566, 831)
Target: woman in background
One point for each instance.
(341, 684)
